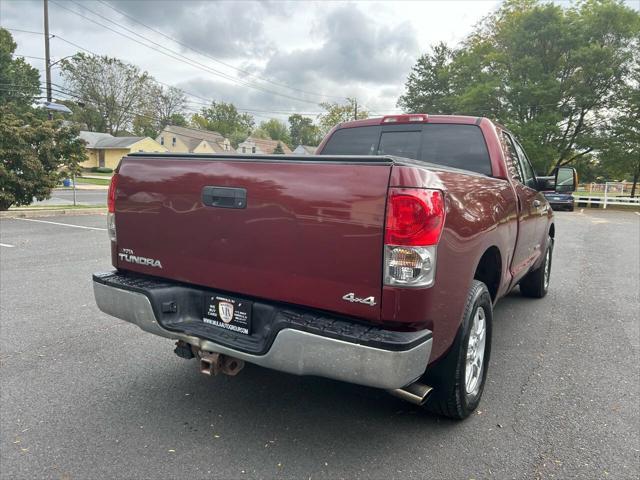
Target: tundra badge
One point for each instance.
(351, 297)
(126, 255)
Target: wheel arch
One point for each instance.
(489, 270)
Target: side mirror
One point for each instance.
(546, 183)
(566, 179)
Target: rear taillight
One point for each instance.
(414, 222)
(111, 207)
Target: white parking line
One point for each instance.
(637, 213)
(6, 245)
(62, 224)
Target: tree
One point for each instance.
(302, 131)
(430, 83)
(225, 119)
(162, 106)
(339, 112)
(278, 150)
(34, 153)
(260, 133)
(167, 103)
(621, 154)
(117, 91)
(178, 119)
(276, 130)
(84, 115)
(551, 75)
(19, 81)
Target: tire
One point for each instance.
(457, 394)
(535, 284)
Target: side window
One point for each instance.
(527, 169)
(511, 157)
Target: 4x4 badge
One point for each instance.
(351, 297)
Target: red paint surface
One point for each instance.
(313, 232)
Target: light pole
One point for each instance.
(47, 57)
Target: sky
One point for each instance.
(269, 58)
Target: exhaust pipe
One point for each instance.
(415, 393)
(213, 363)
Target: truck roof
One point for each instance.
(411, 118)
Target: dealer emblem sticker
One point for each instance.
(225, 310)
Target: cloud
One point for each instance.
(355, 47)
(222, 29)
(331, 49)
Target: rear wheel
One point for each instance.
(536, 283)
(458, 378)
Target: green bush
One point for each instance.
(102, 170)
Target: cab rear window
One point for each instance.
(451, 145)
(353, 141)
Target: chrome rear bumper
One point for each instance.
(293, 351)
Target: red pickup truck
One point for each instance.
(376, 261)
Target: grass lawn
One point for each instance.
(94, 181)
(97, 174)
(583, 193)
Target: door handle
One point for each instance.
(224, 197)
(536, 203)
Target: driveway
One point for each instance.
(86, 396)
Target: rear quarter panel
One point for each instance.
(480, 213)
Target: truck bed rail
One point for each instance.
(344, 159)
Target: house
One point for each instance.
(193, 140)
(261, 146)
(105, 150)
(305, 150)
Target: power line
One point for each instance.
(30, 56)
(23, 31)
(74, 95)
(207, 101)
(176, 55)
(215, 59)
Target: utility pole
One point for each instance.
(47, 69)
(355, 110)
(47, 56)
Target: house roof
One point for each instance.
(308, 148)
(192, 137)
(105, 140)
(93, 137)
(268, 146)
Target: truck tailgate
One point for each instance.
(309, 233)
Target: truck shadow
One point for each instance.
(261, 410)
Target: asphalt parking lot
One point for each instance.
(84, 196)
(85, 396)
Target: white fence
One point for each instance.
(606, 200)
(603, 194)
(610, 188)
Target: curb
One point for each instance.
(39, 212)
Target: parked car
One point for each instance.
(560, 200)
(376, 262)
